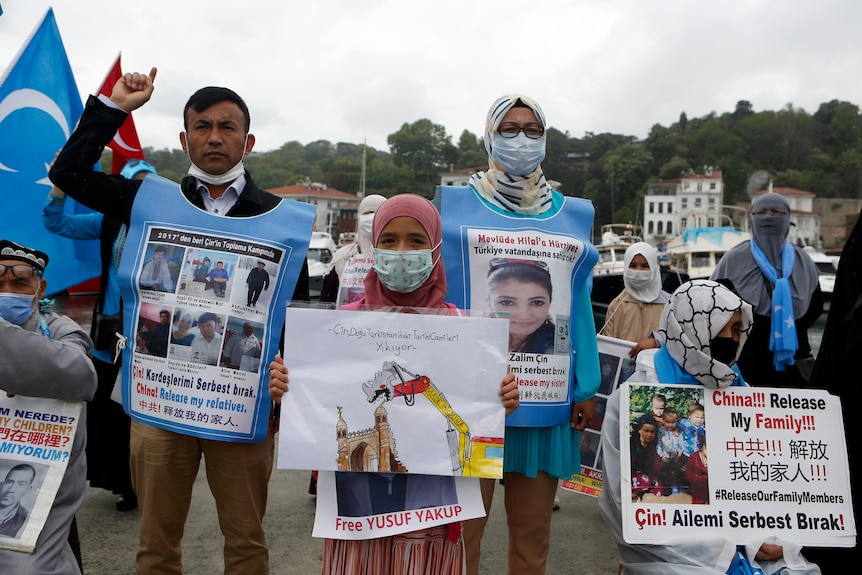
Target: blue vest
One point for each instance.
(188, 388)
(479, 240)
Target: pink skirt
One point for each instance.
(423, 552)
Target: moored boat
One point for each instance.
(698, 250)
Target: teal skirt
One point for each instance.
(554, 450)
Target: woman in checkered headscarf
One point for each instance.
(704, 326)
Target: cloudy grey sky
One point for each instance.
(344, 70)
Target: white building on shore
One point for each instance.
(689, 201)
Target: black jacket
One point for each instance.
(114, 195)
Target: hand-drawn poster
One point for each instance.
(393, 392)
(36, 438)
(371, 505)
(616, 368)
(738, 462)
(200, 301)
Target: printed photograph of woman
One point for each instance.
(521, 290)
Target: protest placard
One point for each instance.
(776, 465)
(616, 367)
(371, 505)
(394, 392)
(36, 438)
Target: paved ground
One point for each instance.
(580, 542)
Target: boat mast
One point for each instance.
(362, 177)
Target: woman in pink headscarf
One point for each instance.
(408, 274)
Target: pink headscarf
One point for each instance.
(431, 294)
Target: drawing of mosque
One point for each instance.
(371, 449)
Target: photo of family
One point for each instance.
(668, 445)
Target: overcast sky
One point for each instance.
(348, 70)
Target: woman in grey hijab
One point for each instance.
(781, 281)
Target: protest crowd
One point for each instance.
(188, 358)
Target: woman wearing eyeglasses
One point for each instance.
(508, 238)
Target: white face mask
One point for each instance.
(520, 155)
(366, 221)
(638, 279)
(220, 179)
(643, 285)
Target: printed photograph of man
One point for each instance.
(157, 274)
(608, 365)
(258, 281)
(207, 345)
(589, 447)
(242, 350)
(17, 484)
(218, 279)
(154, 330)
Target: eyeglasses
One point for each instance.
(19, 271)
(511, 129)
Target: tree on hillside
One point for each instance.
(673, 168)
(743, 108)
(471, 151)
(425, 150)
(627, 170)
(839, 126)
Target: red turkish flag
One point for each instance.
(125, 145)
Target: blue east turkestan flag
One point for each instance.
(39, 106)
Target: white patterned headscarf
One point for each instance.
(528, 194)
(697, 311)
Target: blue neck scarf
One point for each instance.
(669, 371)
(782, 339)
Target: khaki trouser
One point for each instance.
(164, 466)
(529, 503)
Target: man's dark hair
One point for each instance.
(160, 249)
(208, 316)
(210, 96)
(23, 467)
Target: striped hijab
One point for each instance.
(528, 194)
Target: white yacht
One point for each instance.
(616, 238)
(698, 250)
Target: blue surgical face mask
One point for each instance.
(403, 272)
(519, 155)
(16, 308)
